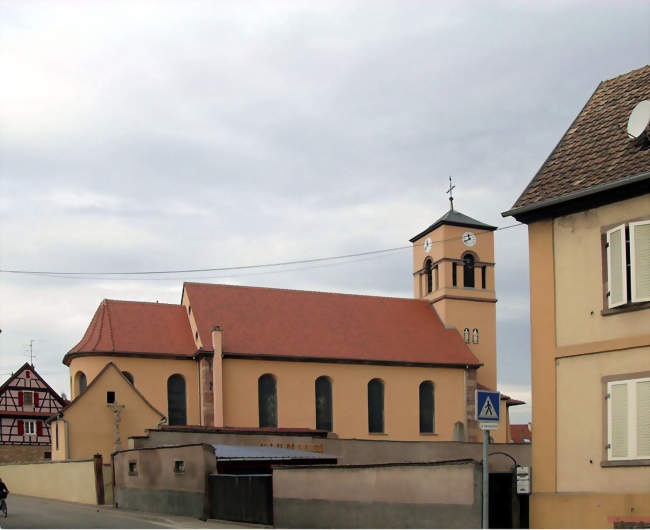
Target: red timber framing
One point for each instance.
(26, 401)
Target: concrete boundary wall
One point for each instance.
(72, 481)
(350, 451)
(427, 495)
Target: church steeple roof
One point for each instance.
(454, 218)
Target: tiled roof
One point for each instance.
(36, 375)
(313, 325)
(520, 432)
(454, 218)
(595, 151)
(137, 327)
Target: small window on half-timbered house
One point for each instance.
(30, 428)
(28, 398)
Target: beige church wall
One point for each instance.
(296, 397)
(91, 427)
(502, 434)
(150, 377)
(581, 435)
(479, 315)
(579, 275)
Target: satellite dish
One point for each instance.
(639, 119)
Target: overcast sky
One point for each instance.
(143, 136)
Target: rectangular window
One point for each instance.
(56, 435)
(110, 397)
(179, 466)
(627, 249)
(454, 275)
(628, 419)
(483, 277)
(30, 428)
(436, 279)
(133, 468)
(28, 399)
(640, 261)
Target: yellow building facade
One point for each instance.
(360, 367)
(589, 250)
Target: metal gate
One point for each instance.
(247, 498)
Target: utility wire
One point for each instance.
(104, 275)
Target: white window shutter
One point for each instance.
(640, 261)
(643, 418)
(616, 269)
(618, 420)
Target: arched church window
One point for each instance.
(176, 403)
(466, 335)
(324, 403)
(427, 407)
(475, 336)
(428, 272)
(468, 270)
(80, 382)
(267, 401)
(128, 376)
(376, 406)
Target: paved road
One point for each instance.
(35, 512)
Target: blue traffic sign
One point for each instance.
(487, 406)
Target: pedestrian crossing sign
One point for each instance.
(487, 407)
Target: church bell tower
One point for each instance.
(453, 269)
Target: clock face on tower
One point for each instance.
(469, 239)
(427, 244)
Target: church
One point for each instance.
(356, 367)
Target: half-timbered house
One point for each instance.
(26, 401)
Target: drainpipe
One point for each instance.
(198, 376)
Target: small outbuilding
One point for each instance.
(204, 480)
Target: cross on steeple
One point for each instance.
(451, 195)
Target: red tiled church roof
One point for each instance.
(595, 151)
(313, 325)
(137, 327)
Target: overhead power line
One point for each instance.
(104, 274)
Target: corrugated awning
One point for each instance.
(247, 452)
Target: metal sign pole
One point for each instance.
(486, 480)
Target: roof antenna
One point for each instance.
(31, 353)
(451, 195)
